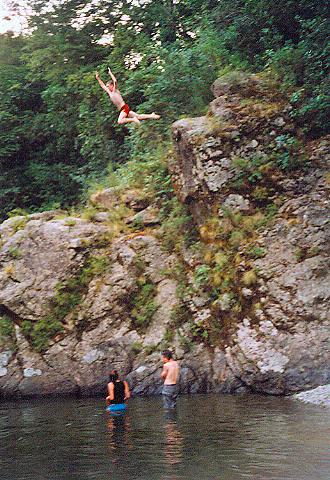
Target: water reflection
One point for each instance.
(173, 451)
(120, 438)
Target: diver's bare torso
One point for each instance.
(116, 98)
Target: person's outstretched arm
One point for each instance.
(113, 78)
(102, 85)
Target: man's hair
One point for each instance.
(109, 83)
(167, 354)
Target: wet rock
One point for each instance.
(317, 396)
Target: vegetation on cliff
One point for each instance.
(58, 132)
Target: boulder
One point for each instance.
(35, 258)
(279, 362)
(282, 346)
(147, 217)
(107, 198)
(240, 124)
(237, 202)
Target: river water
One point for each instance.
(210, 437)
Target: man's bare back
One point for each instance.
(170, 375)
(170, 372)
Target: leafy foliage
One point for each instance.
(144, 306)
(57, 131)
(6, 327)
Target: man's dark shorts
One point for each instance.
(170, 394)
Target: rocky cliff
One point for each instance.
(244, 305)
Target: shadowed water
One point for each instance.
(209, 438)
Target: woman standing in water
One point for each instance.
(118, 391)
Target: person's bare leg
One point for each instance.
(148, 116)
(123, 118)
(144, 116)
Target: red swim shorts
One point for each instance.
(125, 108)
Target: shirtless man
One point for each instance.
(126, 115)
(170, 375)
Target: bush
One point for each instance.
(19, 223)
(202, 275)
(43, 331)
(288, 153)
(144, 306)
(249, 278)
(136, 347)
(14, 252)
(180, 314)
(256, 252)
(6, 328)
(177, 227)
(236, 238)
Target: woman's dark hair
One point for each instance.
(167, 354)
(113, 376)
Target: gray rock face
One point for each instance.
(36, 257)
(283, 347)
(296, 266)
(99, 334)
(272, 361)
(241, 124)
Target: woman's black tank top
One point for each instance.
(119, 392)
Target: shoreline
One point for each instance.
(316, 396)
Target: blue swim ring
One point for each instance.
(117, 407)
